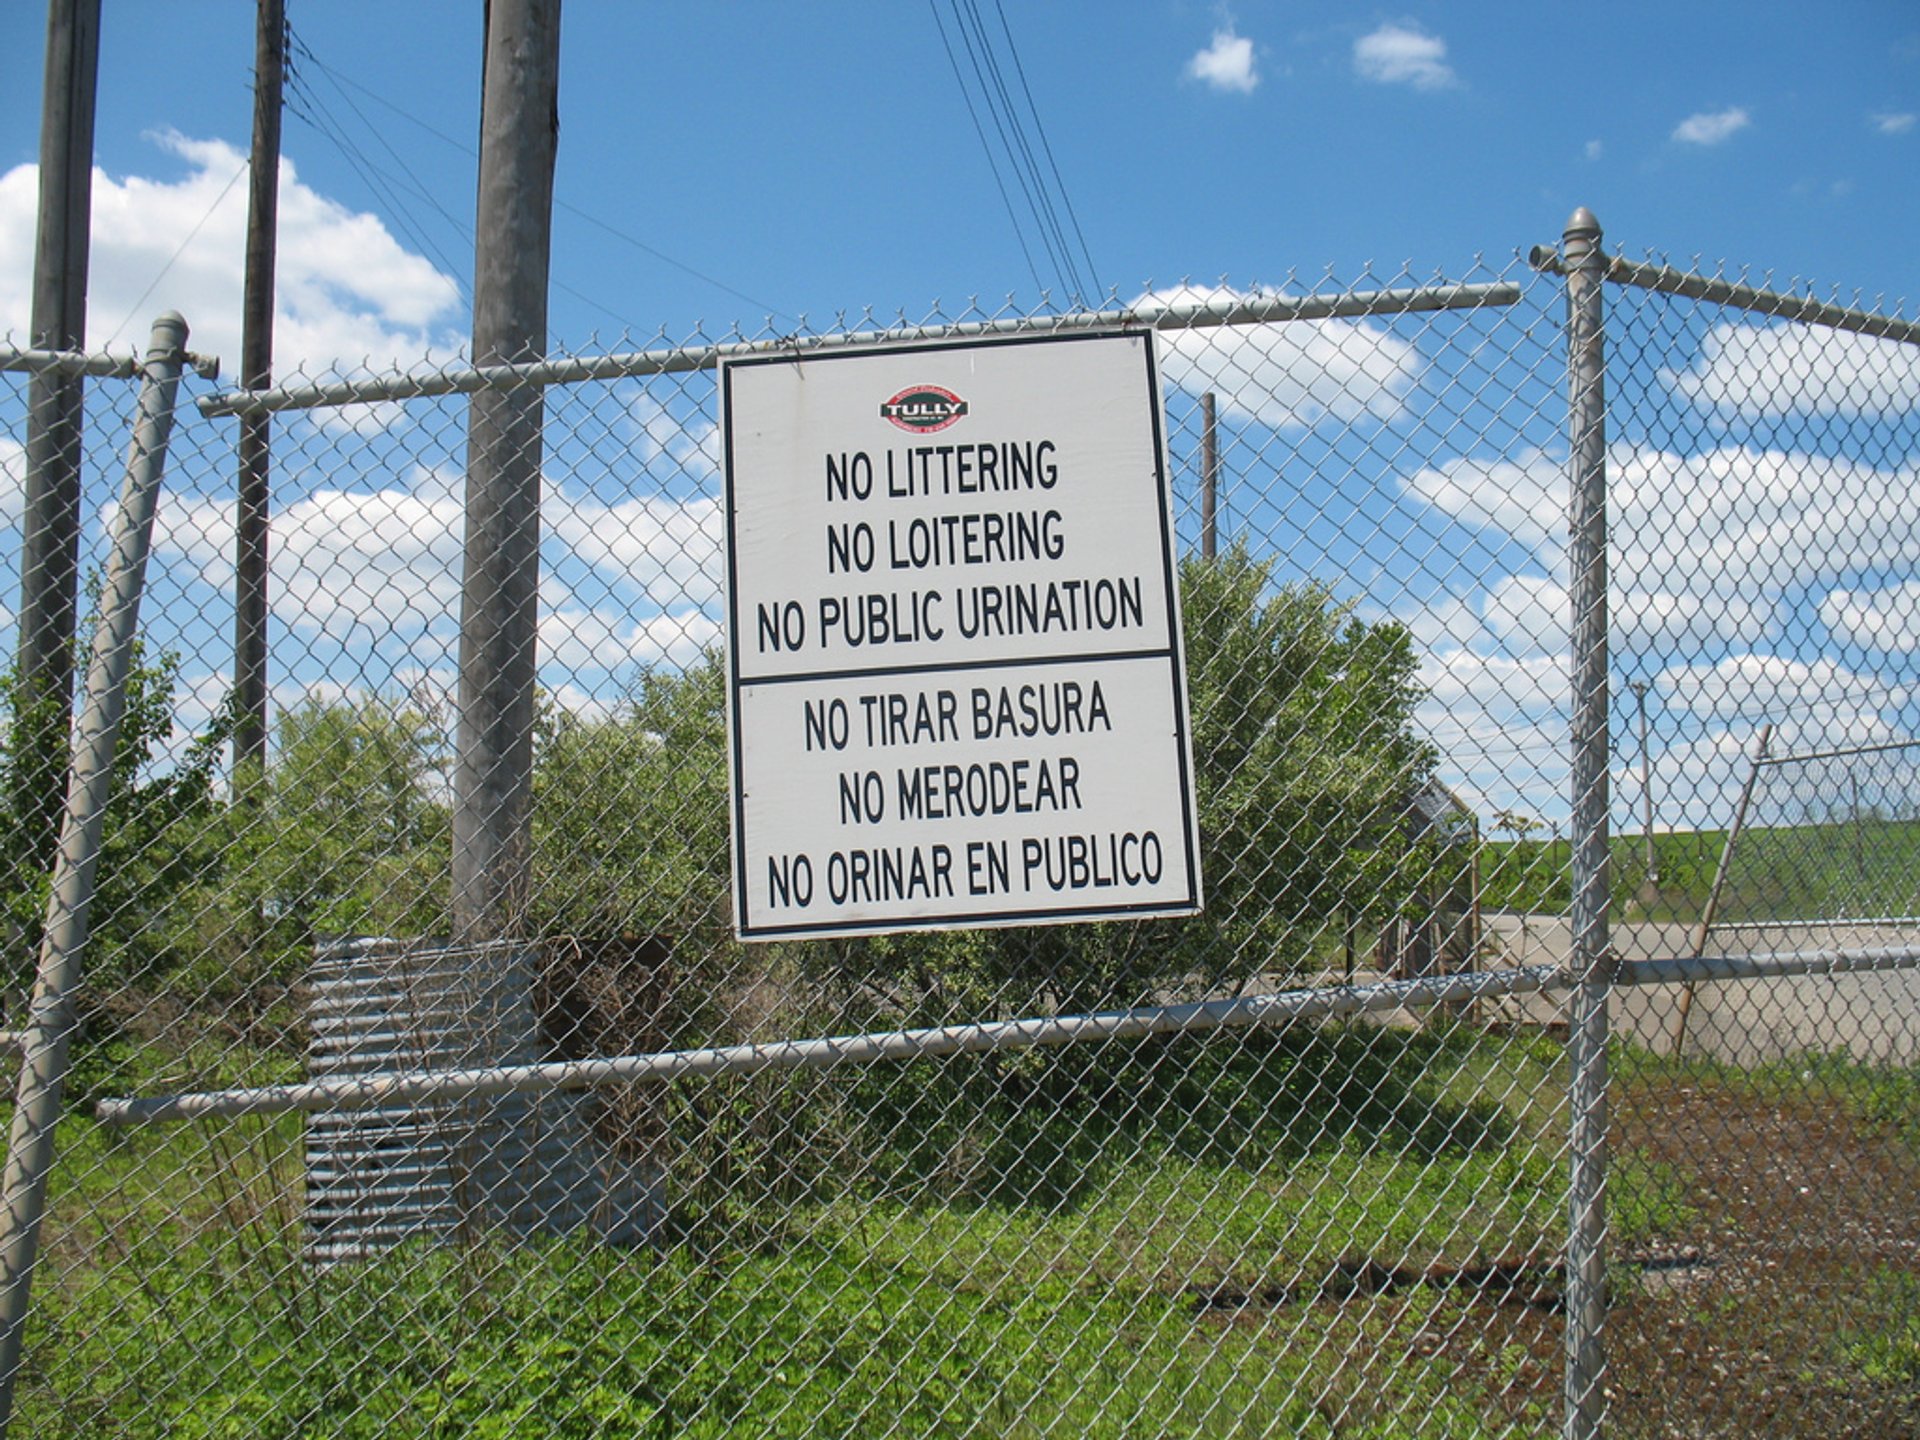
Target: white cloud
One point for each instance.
(340, 561)
(1770, 370)
(1290, 374)
(1771, 687)
(1897, 123)
(575, 639)
(13, 482)
(1698, 529)
(1887, 620)
(1712, 127)
(689, 445)
(390, 560)
(1500, 725)
(1594, 149)
(1402, 55)
(1227, 64)
(1697, 780)
(671, 549)
(1523, 497)
(1740, 520)
(348, 292)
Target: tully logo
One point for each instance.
(923, 409)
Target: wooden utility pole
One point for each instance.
(499, 603)
(50, 538)
(256, 373)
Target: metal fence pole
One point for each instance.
(1585, 1402)
(50, 1018)
(1209, 478)
(1711, 909)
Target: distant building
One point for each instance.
(1439, 932)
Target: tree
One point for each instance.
(1304, 754)
(161, 843)
(347, 831)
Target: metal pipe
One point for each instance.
(418, 1087)
(50, 1015)
(1711, 909)
(101, 367)
(1667, 280)
(680, 360)
(1639, 688)
(1845, 752)
(1209, 477)
(1591, 959)
(432, 1086)
(1772, 965)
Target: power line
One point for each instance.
(1021, 144)
(173, 259)
(992, 163)
(1019, 155)
(344, 82)
(1022, 151)
(1052, 165)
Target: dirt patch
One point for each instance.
(1787, 1237)
(1801, 1212)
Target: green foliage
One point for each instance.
(630, 814)
(348, 832)
(1304, 755)
(1889, 1352)
(1047, 1280)
(1305, 758)
(161, 840)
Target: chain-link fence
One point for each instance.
(1449, 1115)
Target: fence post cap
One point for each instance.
(1582, 224)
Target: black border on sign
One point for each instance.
(1186, 905)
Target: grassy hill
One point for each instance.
(1852, 868)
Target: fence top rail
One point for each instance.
(1194, 314)
(1668, 280)
(100, 366)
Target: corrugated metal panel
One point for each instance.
(506, 1164)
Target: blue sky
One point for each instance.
(757, 163)
(821, 157)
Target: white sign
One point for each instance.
(956, 690)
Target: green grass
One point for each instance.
(1015, 1248)
(1889, 1352)
(1790, 872)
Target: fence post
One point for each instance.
(500, 586)
(1591, 959)
(50, 517)
(50, 1018)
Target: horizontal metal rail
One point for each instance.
(1845, 752)
(427, 1086)
(1824, 922)
(677, 360)
(104, 367)
(1689, 970)
(365, 1092)
(1668, 280)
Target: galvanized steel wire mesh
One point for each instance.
(1347, 1224)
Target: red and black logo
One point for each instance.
(923, 409)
